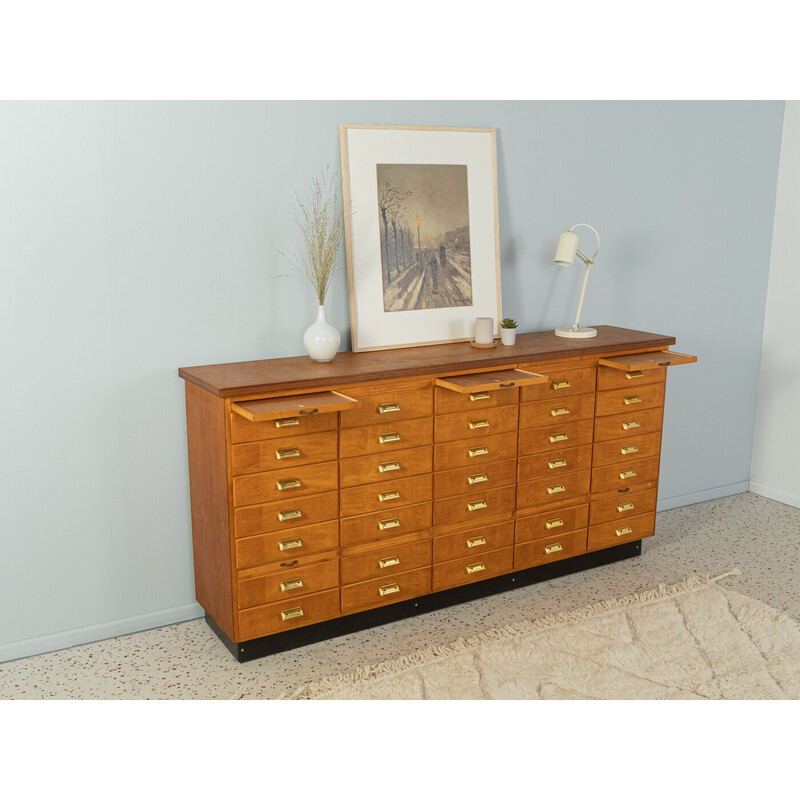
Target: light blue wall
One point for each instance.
(139, 237)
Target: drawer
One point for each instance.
(386, 560)
(546, 412)
(450, 402)
(619, 477)
(385, 437)
(243, 430)
(616, 450)
(473, 542)
(285, 484)
(385, 524)
(608, 534)
(555, 463)
(636, 422)
(288, 614)
(288, 583)
(287, 548)
(285, 515)
(385, 496)
(382, 466)
(552, 548)
(388, 406)
(566, 489)
(561, 383)
(384, 591)
(475, 425)
(474, 478)
(619, 507)
(620, 401)
(449, 455)
(474, 507)
(472, 569)
(297, 451)
(551, 523)
(557, 435)
(645, 362)
(608, 378)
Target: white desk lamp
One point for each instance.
(565, 257)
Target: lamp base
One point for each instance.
(576, 333)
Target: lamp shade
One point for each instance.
(567, 249)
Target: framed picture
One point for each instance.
(421, 233)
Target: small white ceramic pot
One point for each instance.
(321, 339)
(508, 335)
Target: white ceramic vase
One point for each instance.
(321, 339)
(508, 335)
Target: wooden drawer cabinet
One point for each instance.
(324, 491)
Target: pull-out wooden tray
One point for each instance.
(297, 405)
(640, 361)
(486, 381)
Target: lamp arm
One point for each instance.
(583, 291)
(584, 225)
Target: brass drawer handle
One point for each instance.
(625, 507)
(474, 424)
(561, 384)
(389, 437)
(637, 373)
(559, 411)
(628, 449)
(479, 396)
(392, 494)
(556, 463)
(478, 451)
(476, 541)
(291, 613)
(288, 483)
(632, 400)
(476, 505)
(287, 423)
(630, 424)
(290, 544)
(388, 466)
(392, 561)
(627, 473)
(556, 488)
(287, 452)
(289, 513)
(390, 588)
(387, 408)
(292, 583)
(480, 477)
(624, 531)
(553, 548)
(558, 437)
(554, 523)
(385, 524)
(478, 567)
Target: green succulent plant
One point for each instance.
(508, 323)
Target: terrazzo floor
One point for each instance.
(186, 661)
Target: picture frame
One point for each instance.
(422, 233)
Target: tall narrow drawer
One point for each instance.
(385, 496)
(471, 569)
(384, 591)
(553, 410)
(553, 491)
(552, 548)
(285, 515)
(297, 451)
(386, 560)
(616, 450)
(474, 507)
(473, 541)
(385, 437)
(382, 466)
(475, 425)
(561, 383)
(449, 455)
(388, 406)
(608, 378)
(469, 479)
(288, 614)
(616, 477)
(551, 523)
(636, 422)
(385, 524)
(288, 583)
(622, 506)
(619, 401)
(616, 532)
(557, 435)
(243, 430)
(555, 463)
(285, 484)
(290, 548)
(450, 402)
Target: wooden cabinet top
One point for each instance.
(299, 373)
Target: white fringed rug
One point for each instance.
(691, 640)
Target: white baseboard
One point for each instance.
(774, 494)
(96, 633)
(665, 503)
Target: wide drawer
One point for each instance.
(555, 463)
(379, 467)
(384, 591)
(471, 569)
(474, 507)
(285, 515)
(552, 548)
(545, 412)
(551, 523)
(385, 496)
(616, 532)
(493, 380)
(243, 430)
(636, 422)
(449, 455)
(622, 506)
(618, 477)
(565, 489)
(282, 547)
(609, 378)
(561, 383)
(285, 484)
(385, 524)
(616, 450)
(293, 406)
(646, 361)
(558, 434)
(475, 425)
(386, 560)
(619, 401)
(288, 583)
(288, 614)
(385, 437)
(450, 402)
(311, 448)
(472, 541)
(468, 479)
(389, 406)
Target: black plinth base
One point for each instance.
(278, 642)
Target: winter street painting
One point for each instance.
(424, 236)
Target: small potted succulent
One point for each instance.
(508, 331)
